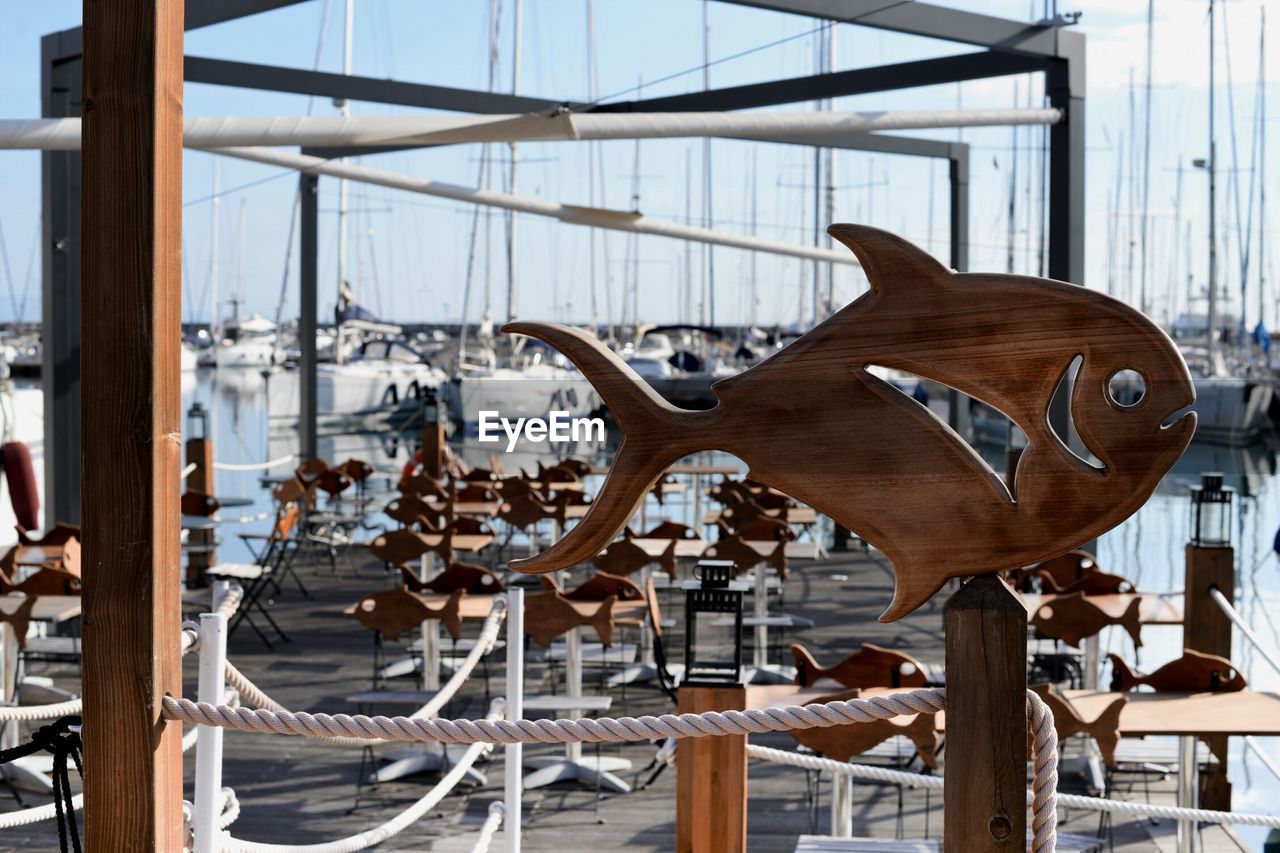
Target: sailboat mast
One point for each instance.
(344, 108)
(511, 184)
(1212, 313)
(215, 204)
(1262, 166)
(709, 307)
(1146, 163)
(688, 246)
(240, 264)
(830, 154)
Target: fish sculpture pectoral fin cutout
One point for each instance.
(811, 422)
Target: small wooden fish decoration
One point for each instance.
(1072, 618)
(393, 611)
(549, 614)
(1104, 729)
(842, 743)
(1194, 672)
(624, 557)
(1090, 583)
(399, 547)
(745, 557)
(601, 586)
(869, 666)
(814, 423)
(468, 577)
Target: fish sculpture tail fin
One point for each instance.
(778, 559)
(1123, 678)
(602, 621)
(807, 669)
(656, 434)
(451, 614)
(1106, 730)
(923, 732)
(1132, 621)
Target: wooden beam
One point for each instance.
(985, 810)
(1205, 628)
(131, 428)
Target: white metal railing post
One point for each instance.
(515, 711)
(841, 806)
(208, 803)
(217, 593)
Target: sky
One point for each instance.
(411, 257)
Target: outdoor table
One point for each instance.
(52, 609)
(227, 503)
(1152, 610)
(199, 522)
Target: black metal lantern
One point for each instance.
(713, 626)
(1211, 512)
(197, 423)
(434, 410)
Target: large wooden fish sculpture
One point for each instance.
(549, 614)
(1194, 672)
(1072, 618)
(1104, 729)
(393, 611)
(812, 422)
(869, 666)
(842, 743)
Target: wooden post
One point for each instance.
(711, 778)
(200, 453)
(985, 808)
(131, 425)
(1205, 628)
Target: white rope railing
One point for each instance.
(255, 466)
(31, 713)
(392, 827)
(1073, 801)
(584, 730)
(1234, 616)
(186, 472)
(26, 817)
(1267, 761)
(256, 696)
(497, 811)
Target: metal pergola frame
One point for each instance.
(1006, 47)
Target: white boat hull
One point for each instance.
(355, 393)
(519, 394)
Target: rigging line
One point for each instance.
(31, 264)
(1242, 241)
(4, 257)
(749, 51)
(259, 182)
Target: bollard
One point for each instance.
(515, 710)
(711, 778)
(985, 809)
(201, 480)
(208, 802)
(1205, 628)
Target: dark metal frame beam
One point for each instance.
(925, 19)
(839, 84)
(299, 81)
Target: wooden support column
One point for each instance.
(201, 481)
(1205, 628)
(985, 808)
(433, 446)
(131, 224)
(711, 778)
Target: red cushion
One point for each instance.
(22, 484)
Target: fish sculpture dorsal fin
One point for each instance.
(891, 263)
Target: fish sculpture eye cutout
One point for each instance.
(813, 422)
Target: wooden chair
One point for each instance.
(196, 503)
(602, 586)
(1104, 729)
(1194, 672)
(869, 666)
(624, 557)
(672, 530)
(1072, 618)
(843, 743)
(412, 510)
(421, 486)
(391, 612)
(310, 469)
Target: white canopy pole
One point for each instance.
(336, 131)
(615, 220)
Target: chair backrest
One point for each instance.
(398, 547)
(294, 490)
(286, 520)
(603, 585)
(666, 681)
(672, 530)
(869, 666)
(421, 486)
(357, 470)
(311, 469)
(409, 510)
(470, 578)
(333, 482)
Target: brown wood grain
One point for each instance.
(869, 666)
(1193, 672)
(1104, 728)
(1207, 629)
(815, 424)
(1072, 618)
(131, 226)
(842, 743)
(711, 778)
(986, 766)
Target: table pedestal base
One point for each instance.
(770, 673)
(31, 773)
(589, 771)
(406, 762)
